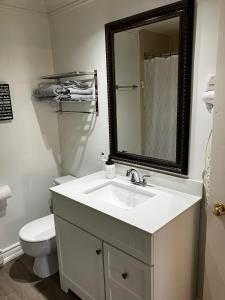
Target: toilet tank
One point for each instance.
(58, 181)
(63, 179)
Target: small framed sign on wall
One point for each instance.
(6, 112)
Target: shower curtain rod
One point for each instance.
(151, 56)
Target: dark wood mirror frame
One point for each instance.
(185, 11)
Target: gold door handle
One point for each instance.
(219, 209)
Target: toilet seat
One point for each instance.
(39, 230)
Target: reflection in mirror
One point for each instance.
(146, 74)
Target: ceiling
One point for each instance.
(30, 5)
(55, 5)
(168, 27)
(43, 6)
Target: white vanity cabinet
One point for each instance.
(80, 259)
(101, 257)
(92, 268)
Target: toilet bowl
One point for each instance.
(37, 239)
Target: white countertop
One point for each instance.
(149, 216)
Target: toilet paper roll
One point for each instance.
(5, 192)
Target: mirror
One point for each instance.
(146, 71)
(149, 71)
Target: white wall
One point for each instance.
(79, 44)
(29, 145)
(128, 103)
(28, 5)
(205, 57)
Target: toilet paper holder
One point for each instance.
(5, 194)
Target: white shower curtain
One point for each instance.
(160, 107)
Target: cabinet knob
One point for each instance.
(98, 252)
(219, 209)
(124, 275)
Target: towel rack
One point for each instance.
(163, 55)
(69, 74)
(133, 86)
(61, 76)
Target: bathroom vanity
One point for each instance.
(118, 241)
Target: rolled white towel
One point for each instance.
(76, 97)
(88, 91)
(209, 96)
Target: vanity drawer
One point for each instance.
(126, 278)
(119, 234)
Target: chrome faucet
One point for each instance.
(135, 177)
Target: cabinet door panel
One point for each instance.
(126, 278)
(81, 267)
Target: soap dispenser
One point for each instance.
(110, 170)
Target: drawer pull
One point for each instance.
(124, 275)
(219, 209)
(98, 252)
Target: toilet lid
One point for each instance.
(38, 230)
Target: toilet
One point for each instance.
(37, 239)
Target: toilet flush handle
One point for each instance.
(98, 252)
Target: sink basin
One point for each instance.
(119, 195)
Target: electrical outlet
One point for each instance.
(102, 155)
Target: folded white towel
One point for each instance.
(209, 99)
(77, 97)
(211, 83)
(76, 84)
(46, 91)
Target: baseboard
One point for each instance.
(10, 253)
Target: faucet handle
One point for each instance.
(144, 181)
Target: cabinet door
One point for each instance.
(126, 278)
(80, 261)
